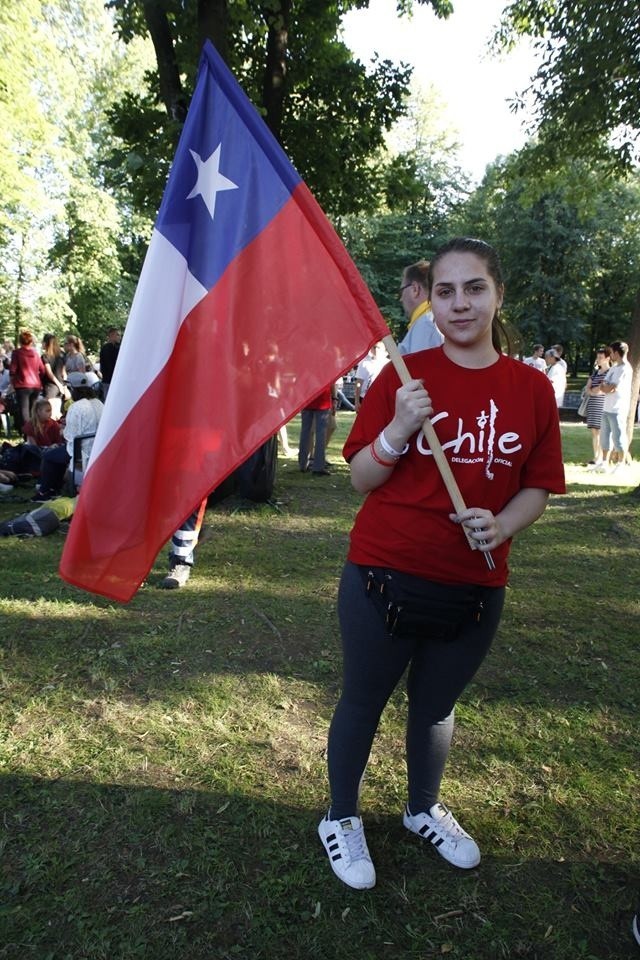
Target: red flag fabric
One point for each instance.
(246, 307)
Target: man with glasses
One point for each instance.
(422, 332)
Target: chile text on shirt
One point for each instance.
(479, 441)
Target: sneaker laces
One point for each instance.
(449, 825)
(355, 841)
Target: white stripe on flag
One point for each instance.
(166, 294)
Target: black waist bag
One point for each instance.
(412, 607)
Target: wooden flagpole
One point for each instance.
(434, 444)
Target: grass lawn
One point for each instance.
(162, 764)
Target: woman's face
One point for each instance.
(464, 299)
(601, 359)
(44, 412)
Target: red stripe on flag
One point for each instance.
(285, 320)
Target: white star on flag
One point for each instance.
(210, 181)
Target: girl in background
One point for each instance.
(74, 359)
(596, 402)
(26, 371)
(55, 374)
(42, 430)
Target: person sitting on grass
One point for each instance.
(41, 430)
(83, 416)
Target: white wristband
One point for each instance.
(386, 446)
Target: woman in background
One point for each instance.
(55, 374)
(26, 371)
(596, 402)
(74, 359)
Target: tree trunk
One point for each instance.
(213, 24)
(276, 14)
(17, 303)
(171, 93)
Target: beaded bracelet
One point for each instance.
(386, 446)
(383, 463)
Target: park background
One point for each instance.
(163, 768)
(94, 96)
(162, 765)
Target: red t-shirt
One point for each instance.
(322, 401)
(49, 434)
(500, 432)
(26, 368)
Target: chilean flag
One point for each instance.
(247, 306)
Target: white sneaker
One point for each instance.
(602, 468)
(347, 850)
(6, 488)
(441, 828)
(178, 575)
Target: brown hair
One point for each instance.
(75, 341)
(51, 346)
(35, 423)
(620, 347)
(417, 273)
(26, 338)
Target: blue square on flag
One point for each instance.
(222, 190)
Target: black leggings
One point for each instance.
(25, 399)
(373, 664)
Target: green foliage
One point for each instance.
(423, 186)
(343, 110)
(586, 91)
(137, 164)
(59, 72)
(381, 246)
(567, 241)
(335, 111)
(87, 256)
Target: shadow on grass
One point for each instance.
(100, 871)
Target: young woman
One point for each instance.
(596, 401)
(415, 592)
(55, 373)
(26, 371)
(74, 359)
